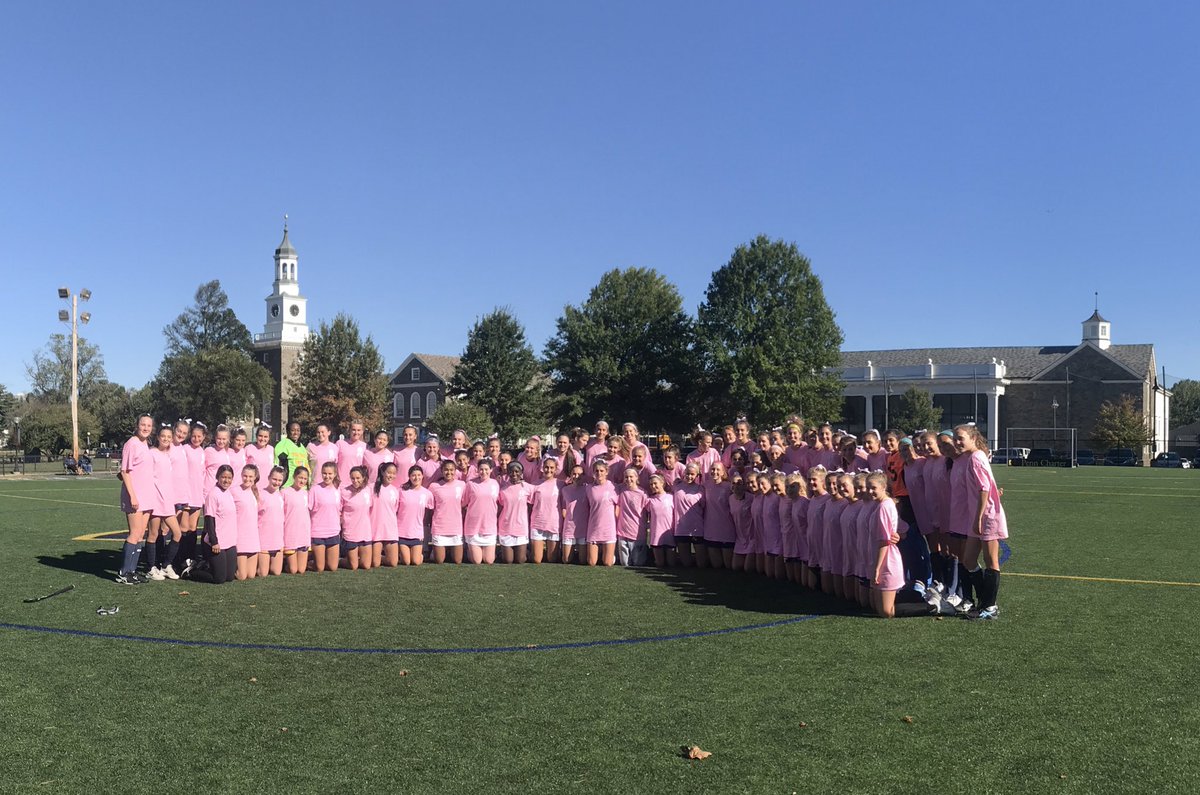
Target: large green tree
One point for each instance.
(914, 410)
(208, 324)
(339, 378)
(1185, 402)
(116, 410)
(46, 427)
(50, 371)
(499, 373)
(768, 337)
(455, 414)
(8, 405)
(625, 354)
(1121, 424)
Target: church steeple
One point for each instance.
(1097, 330)
(286, 319)
(285, 264)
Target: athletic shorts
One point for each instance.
(791, 560)
(411, 542)
(543, 535)
(356, 544)
(269, 551)
(294, 551)
(446, 541)
(696, 540)
(332, 541)
(513, 541)
(181, 506)
(478, 540)
(669, 544)
(718, 544)
(569, 541)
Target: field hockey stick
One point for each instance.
(47, 596)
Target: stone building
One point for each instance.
(418, 387)
(278, 347)
(1033, 390)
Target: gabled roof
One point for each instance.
(441, 366)
(1022, 361)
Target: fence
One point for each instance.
(18, 462)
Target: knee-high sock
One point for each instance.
(129, 557)
(151, 554)
(171, 553)
(991, 587)
(951, 582)
(965, 581)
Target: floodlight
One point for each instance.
(63, 292)
(64, 315)
(85, 317)
(85, 294)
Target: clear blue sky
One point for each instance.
(943, 161)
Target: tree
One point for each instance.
(768, 337)
(1185, 402)
(50, 372)
(455, 414)
(1121, 424)
(116, 410)
(208, 325)
(46, 427)
(625, 353)
(7, 406)
(211, 385)
(915, 410)
(339, 378)
(499, 373)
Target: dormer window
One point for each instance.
(415, 374)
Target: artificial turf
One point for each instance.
(1081, 686)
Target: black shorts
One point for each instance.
(411, 542)
(719, 544)
(696, 540)
(332, 541)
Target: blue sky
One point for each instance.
(958, 173)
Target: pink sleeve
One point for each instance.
(978, 474)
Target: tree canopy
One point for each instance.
(339, 378)
(209, 324)
(499, 373)
(767, 335)
(116, 410)
(455, 414)
(915, 410)
(1121, 424)
(50, 371)
(46, 427)
(1185, 402)
(626, 352)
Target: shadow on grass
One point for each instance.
(101, 563)
(749, 592)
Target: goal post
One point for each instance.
(1062, 442)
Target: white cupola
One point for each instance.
(1097, 331)
(287, 319)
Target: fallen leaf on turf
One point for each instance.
(403, 673)
(184, 593)
(1062, 775)
(254, 679)
(803, 725)
(695, 752)
(907, 719)
(531, 645)
(283, 729)
(254, 605)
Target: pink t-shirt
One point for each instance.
(247, 520)
(214, 459)
(672, 475)
(864, 545)
(430, 467)
(815, 530)
(797, 457)
(447, 507)
(705, 461)
(325, 511)
(297, 524)
(891, 573)
(181, 488)
(592, 452)
(264, 459)
(270, 520)
(914, 479)
(349, 455)
(195, 476)
(660, 519)
(831, 536)
(137, 476)
(771, 538)
(319, 455)
(373, 458)
(689, 509)
(741, 512)
(977, 478)
(845, 564)
(356, 514)
(546, 515)
(632, 502)
(405, 457)
(643, 475)
(877, 461)
(602, 513)
(616, 469)
(514, 509)
(786, 541)
(220, 510)
(532, 468)
(573, 501)
(482, 500)
(162, 487)
(718, 519)
(410, 512)
(237, 460)
(799, 537)
(384, 506)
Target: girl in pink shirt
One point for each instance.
(262, 453)
(818, 498)
(385, 532)
(975, 506)
(514, 515)
(689, 519)
(181, 486)
(602, 516)
(408, 453)
(162, 513)
(640, 465)
(795, 550)
(545, 515)
(719, 532)
(189, 518)
(831, 542)
(431, 461)
(270, 523)
(412, 517)
(598, 447)
(741, 507)
(631, 503)
(843, 563)
(322, 451)
(297, 524)
(137, 498)
(796, 452)
(325, 514)
(351, 453)
(530, 460)
(614, 461)
(659, 519)
(237, 449)
(216, 456)
(704, 456)
(862, 558)
(245, 498)
(375, 457)
(888, 571)
(873, 448)
(220, 531)
(446, 521)
(935, 481)
(672, 468)
(481, 498)
(356, 519)
(772, 531)
(573, 504)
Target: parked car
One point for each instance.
(1170, 461)
(1085, 458)
(1004, 455)
(1120, 457)
(1040, 455)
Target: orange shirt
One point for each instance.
(895, 473)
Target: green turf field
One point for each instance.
(1083, 685)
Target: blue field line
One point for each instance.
(1005, 552)
(585, 644)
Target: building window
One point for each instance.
(415, 374)
(398, 405)
(414, 405)
(430, 403)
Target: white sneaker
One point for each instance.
(963, 607)
(989, 613)
(954, 600)
(157, 574)
(169, 572)
(937, 586)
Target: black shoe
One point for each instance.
(132, 578)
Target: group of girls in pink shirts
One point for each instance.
(816, 508)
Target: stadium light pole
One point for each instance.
(74, 318)
(1054, 405)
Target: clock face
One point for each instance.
(275, 310)
(295, 310)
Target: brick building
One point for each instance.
(418, 387)
(278, 347)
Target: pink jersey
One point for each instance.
(757, 506)
(830, 459)
(214, 459)
(221, 512)
(616, 469)
(373, 458)
(704, 460)
(405, 457)
(815, 531)
(592, 452)
(356, 514)
(264, 459)
(660, 520)
(772, 535)
(689, 509)
(632, 503)
(431, 467)
(937, 492)
(602, 513)
(270, 520)
(319, 455)
(718, 521)
(846, 562)
(532, 467)
(349, 455)
(672, 475)
(914, 479)
(514, 509)
(325, 511)
(181, 488)
(643, 475)
(237, 460)
(162, 488)
(297, 524)
(247, 520)
(137, 477)
(482, 500)
(890, 575)
(384, 509)
(877, 461)
(786, 541)
(546, 515)
(864, 544)
(741, 511)
(410, 512)
(976, 479)
(573, 501)
(797, 457)
(195, 476)
(799, 538)
(447, 507)
(831, 536)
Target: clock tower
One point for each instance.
(278, 347)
